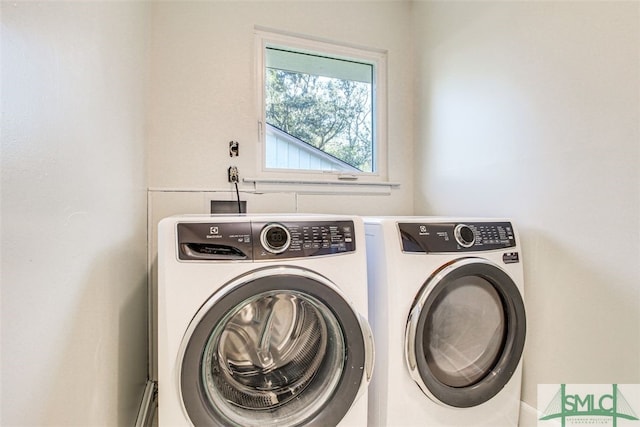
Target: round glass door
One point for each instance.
(273, 349)
(465, 333)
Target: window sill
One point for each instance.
(271, 185)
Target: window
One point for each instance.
(322, 107)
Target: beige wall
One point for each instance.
(532, 110)
(73, 213)
(204, 92)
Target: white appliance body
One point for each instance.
(446, 308)
(262, 321)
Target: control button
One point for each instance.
(464, 235)
(275, 238)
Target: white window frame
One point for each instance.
(376, 57)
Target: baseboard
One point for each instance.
(528, 415)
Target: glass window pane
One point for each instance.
(309, 63)
(319, 112)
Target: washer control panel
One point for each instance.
(302, 239)
(456, 237)
(263, 240)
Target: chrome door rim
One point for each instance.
(358, 340)
(515, 322)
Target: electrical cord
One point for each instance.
(238, 198)
(234, 177)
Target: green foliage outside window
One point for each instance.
(331, 114)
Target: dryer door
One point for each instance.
(278, 346)
(465, 333)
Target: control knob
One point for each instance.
(464, 235)
(275, 238)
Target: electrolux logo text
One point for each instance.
(588, 405)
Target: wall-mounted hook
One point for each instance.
(234, 148)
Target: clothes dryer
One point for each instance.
(262, 321)
(446, 307)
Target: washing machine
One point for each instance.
(262, 321)
(447, 311)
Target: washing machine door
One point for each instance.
(280, 346)
(465, 333)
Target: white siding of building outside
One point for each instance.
(284, 151)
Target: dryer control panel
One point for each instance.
(456, 237)
(225, 241)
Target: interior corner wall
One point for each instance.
(531, 110)
(73, 212)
